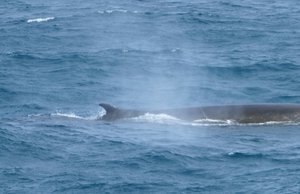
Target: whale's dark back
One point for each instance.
(113, 113)
(240, 113)
(254, 113)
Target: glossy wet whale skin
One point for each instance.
(255, 113)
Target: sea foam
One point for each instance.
(40, 19)
(156, 118)
(109, 11)
(73, 115)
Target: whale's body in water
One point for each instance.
(255, 113)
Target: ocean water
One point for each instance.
(59, 59)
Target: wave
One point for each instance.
(40, 19)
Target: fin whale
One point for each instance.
(253, 113)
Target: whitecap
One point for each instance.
(40, 19)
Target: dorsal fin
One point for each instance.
(113, 113)
(108, 108)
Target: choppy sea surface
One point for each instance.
(59, 59)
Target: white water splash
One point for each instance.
(40, 19)
(68, 115)
(156, 118)
(167, 119)
(214, 121)
(73, 115)
(274, 123)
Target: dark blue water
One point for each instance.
(59, 59)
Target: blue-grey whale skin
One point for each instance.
(253, 113)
